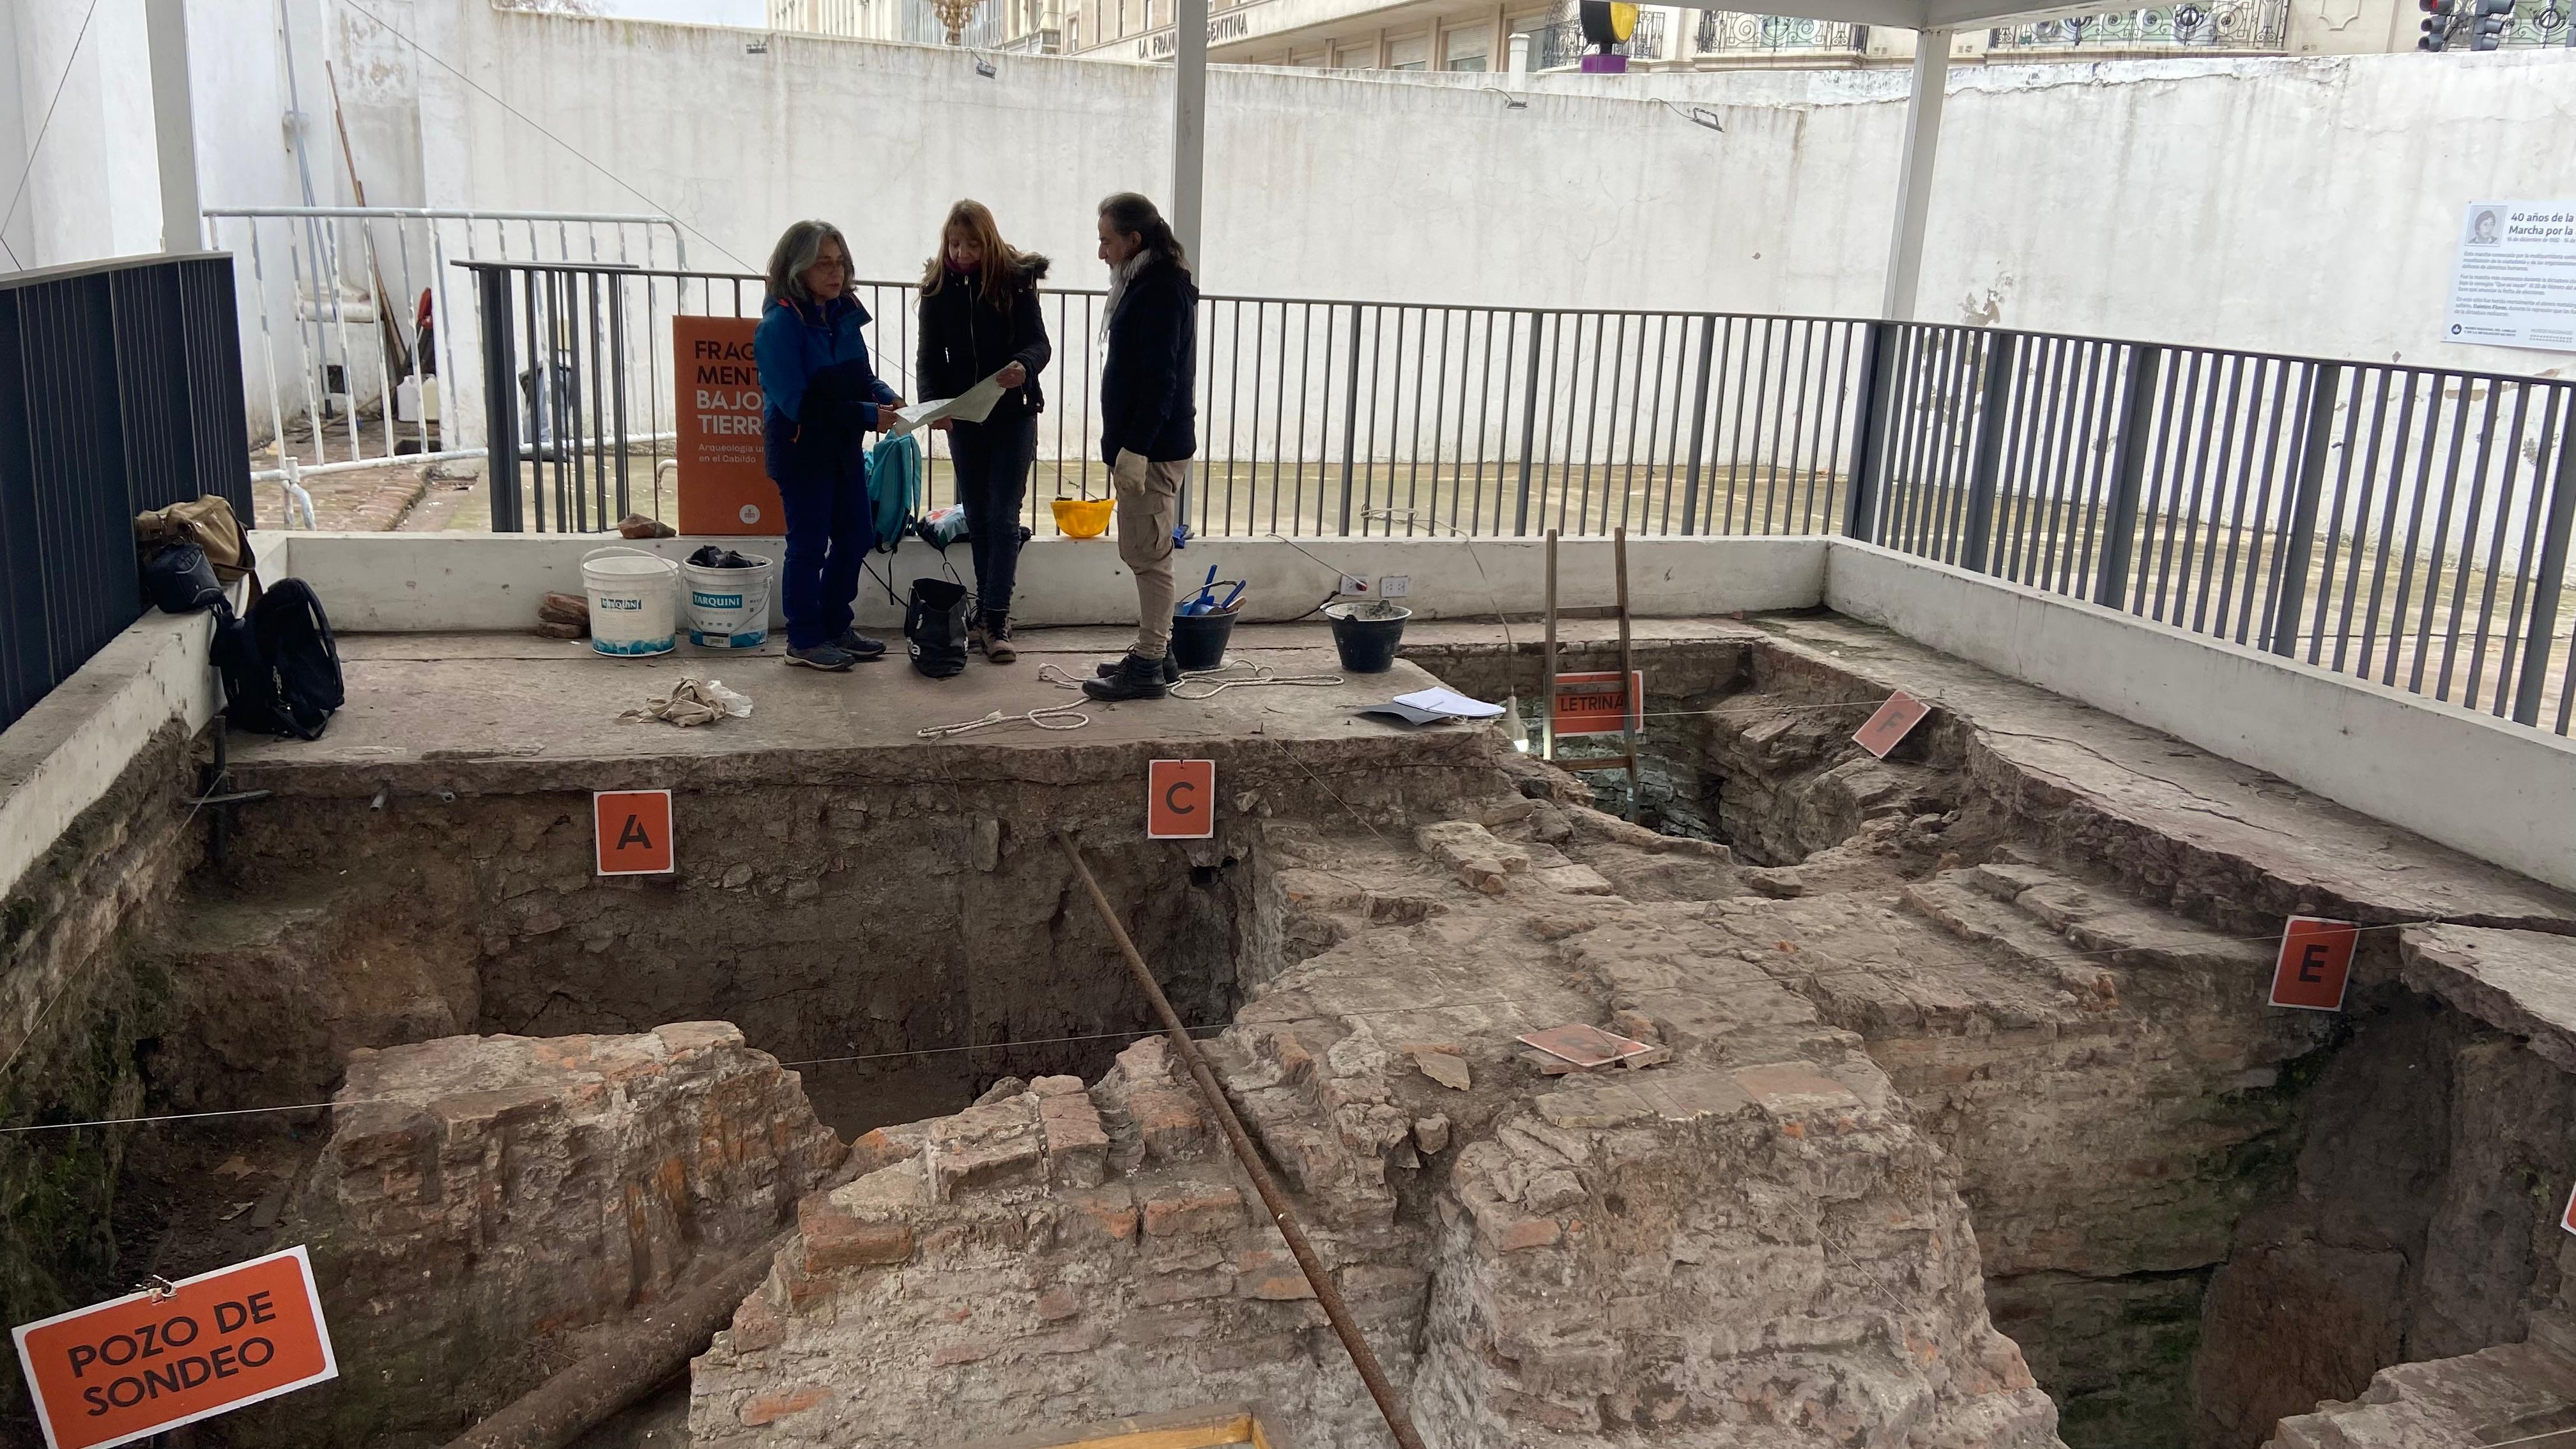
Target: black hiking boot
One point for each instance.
(1171, 668)
(1133, 678)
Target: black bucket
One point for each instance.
(1367, 644)
(1198, 640)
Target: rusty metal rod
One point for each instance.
(1246, 1153)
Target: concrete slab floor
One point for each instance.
(499, 696)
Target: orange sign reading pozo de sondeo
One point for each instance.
(118, 1371)
(724, 487)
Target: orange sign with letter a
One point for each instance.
(724, 483)
(634, 829)
(1591, 703)
(2315, 963)
(1180, 799)
(129, 1368)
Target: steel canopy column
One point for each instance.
(174, 125)
(1189, 124)
(1914, 177)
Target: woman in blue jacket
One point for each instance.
(821, 396)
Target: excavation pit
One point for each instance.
(2023, 994)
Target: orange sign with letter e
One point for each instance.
(634, 831)
(2315, 964)
(724, 478)
(1590, 702)
(1894, 721)
(1180, 799)
(129, 1368)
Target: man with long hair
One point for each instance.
(1149, 424)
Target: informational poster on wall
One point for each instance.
(2515, 282)
(723, 487)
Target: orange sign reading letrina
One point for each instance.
(724, 481)
(119, 1371)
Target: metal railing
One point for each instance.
(355, 329)
(2538, 23)
(1562, 44)
(133, 403)
(2253, 25)
(2407, 525)
(1730, 32)
(2397, 524)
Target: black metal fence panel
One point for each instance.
(2407, 526)
(120, 392)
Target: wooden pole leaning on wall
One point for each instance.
(1249, 1156)
(1547, 695)
(1635, 713)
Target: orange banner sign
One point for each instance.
(127, 1369)
(1591, 702)
(724, 484)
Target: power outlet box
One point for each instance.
(1354, 584)
(1396, 586)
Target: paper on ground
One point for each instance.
(1449, 702)
(971, 406)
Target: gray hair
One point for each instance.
(797, 250)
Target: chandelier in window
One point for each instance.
(953, 14)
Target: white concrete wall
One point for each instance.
(94, 187)
(2294, 204)
(2241, 202)
(430, 582)
(63, 756)
(2501, 792)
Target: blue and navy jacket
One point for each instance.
(817, 386)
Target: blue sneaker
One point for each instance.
(823, 656)
(859, 646)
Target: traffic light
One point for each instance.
(1607, 23)
(2494, 17)
(2438, 15)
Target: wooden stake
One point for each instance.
(1635, 713)
(1547, 698)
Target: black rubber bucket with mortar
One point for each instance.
(1367, 635)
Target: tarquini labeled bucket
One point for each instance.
(728, 608)
(631, 601)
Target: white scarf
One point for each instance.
(1120, 276)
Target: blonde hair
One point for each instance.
(1001, 263)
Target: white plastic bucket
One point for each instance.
(631, 604)
(728, 608)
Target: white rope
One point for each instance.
(1261, 674)
(1052, 717)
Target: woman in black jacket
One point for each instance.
(979, 316)
(1149, 423)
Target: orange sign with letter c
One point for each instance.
(1180, 799)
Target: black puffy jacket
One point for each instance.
(965, 339)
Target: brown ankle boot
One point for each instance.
(997, 641)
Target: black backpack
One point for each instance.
(281, 666)
(179, 580)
